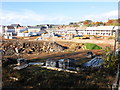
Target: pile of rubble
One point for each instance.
(10, 48)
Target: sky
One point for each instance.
(35, 13)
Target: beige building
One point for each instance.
(34, 29)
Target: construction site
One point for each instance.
(52, 54)
(59, 45)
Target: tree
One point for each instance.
(71, 23)
(97, 23)
(75, 25)
(110, 21)
(110, 60)
(89, 21)
(113, 22)
(93, 23)
(85, 23)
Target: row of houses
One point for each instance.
(17, 30)
(99, 30)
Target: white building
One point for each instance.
(16, 26)
(22, 30)
(100, 30)
(23, 34)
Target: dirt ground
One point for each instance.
(73, 52)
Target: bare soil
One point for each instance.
(74, 50)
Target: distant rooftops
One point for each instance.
(10, 27)
(21, 28)
(15, 25)
(35, 27)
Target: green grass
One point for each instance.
(91, 46)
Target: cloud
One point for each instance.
(112, 14)
(104, 16)
(27, 17)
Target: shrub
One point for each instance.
(110, 60)
(91, 46)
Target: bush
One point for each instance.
(110, 60)
(91, 46)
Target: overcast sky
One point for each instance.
(32, 13)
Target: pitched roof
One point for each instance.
(10, 27)
(15, 25)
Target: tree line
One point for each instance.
(90, 23)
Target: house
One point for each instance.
(9, 31)
(34, 29)
(43, 26)
(23, 34)
(22, 30)
(15, 26)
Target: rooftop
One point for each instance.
(10, 27)
(101, 28)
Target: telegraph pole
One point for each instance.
(116, 84)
